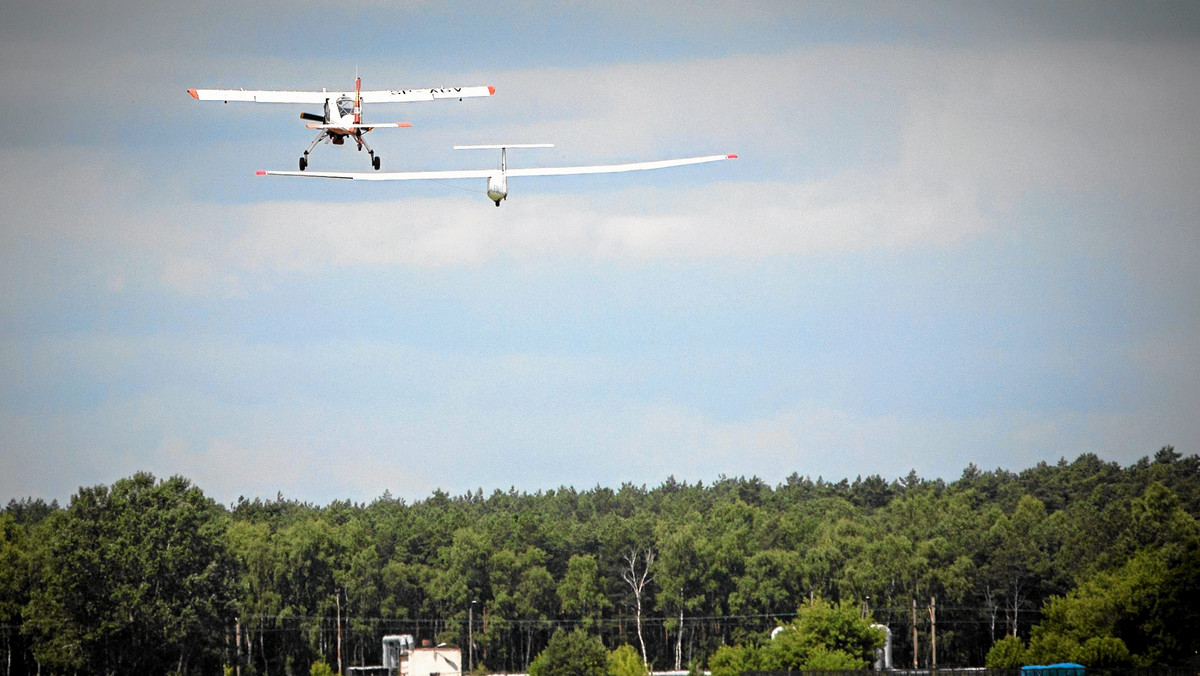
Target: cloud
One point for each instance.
(718, 220)
(815, 439)
(338, 418)
(332, 466)
(1112, 118)
(123, 236)
(962, 131)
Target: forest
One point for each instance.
(1081, 559)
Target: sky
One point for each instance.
(955, 233)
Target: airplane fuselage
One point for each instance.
(342, 111)
(497, 187)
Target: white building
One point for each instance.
(442, 661)
(400, 658)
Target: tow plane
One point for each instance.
(497, 179)
(342, 116)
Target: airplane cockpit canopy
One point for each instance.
(345, 106)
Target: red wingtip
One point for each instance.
(193, 93)
(731, 157)
(404, 124)
(260, 172)
(491, 90)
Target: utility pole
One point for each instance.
(915, 634)
(933, 631)
(471, 635)
(337, 597)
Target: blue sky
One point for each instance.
(956, 233)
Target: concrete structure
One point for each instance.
(400, 658)
(439, 661)
(395, 651)
(883, 656)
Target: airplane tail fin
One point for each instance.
(357, 100)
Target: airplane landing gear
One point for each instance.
(340, 139)
(374, 158)
(304, 157)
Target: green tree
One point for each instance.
(571, 654)
(1144, 603)
(581, 590)
(255, 596)
(530, 597)
(1159, 520)
(1104, 652)
(680, 572)
(734, 660)
(1007, 653)
(626, 661)
(772, 581)
(824, 636)
(405, 587)
(14, 580)
(358, 578)
(306, 554)
(1109, 554)
(460, 577)
(824, 659)
(1017, 547)
(135, 579)
(1047, 647)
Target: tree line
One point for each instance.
(1084, 559)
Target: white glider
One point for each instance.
(342, 117)
(497, 179)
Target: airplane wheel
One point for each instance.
(375, 162)
(303, 163)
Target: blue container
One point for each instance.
(1060, 669)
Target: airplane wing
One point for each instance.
(263, 95)
(429, 94)
(486, 173)
(360, 125)
(616, 168)
(370, 96)
(386, 175)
